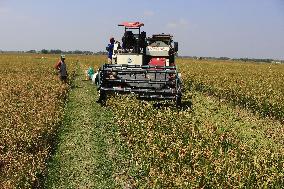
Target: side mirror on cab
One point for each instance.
(176, 46)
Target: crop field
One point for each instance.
(32, 102)
(259, 87)
(228, 134)
(226, 139)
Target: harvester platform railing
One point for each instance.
(137, 66)
(139, 71)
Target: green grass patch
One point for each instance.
(89, 153)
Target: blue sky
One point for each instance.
(233, 28)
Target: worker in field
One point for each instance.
(109, 48)
(62, 69)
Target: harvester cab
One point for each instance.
(143, 66)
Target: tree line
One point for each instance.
(264, 60)
(58, 51)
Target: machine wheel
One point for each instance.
(178, 101)
(102, 97)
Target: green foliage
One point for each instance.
(89, 153)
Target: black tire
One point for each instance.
(178, 101)
(102, 97)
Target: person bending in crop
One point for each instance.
(62, 69)
(109, 48)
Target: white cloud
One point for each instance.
(181, 23)
(149, 13)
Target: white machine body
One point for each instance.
(134, 59)
(157, 51)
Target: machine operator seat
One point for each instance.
(128, 40)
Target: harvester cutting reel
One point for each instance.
(147, 82)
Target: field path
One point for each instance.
(86, 154)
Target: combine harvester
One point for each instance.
(142, 66)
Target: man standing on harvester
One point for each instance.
(109, 48)
(62, 69)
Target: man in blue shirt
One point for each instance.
(109, 48)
